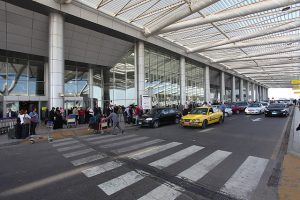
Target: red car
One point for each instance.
(238, 107)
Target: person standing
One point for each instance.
(115, 122)
(11, 114)
(34, 121)
(223, 108)
(25, 122)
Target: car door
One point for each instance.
(211, 116)
(163, 119)
(172, 115)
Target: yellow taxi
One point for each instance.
(202, 116)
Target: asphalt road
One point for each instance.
(230, 160)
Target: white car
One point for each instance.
(265, 104)
(228, 110)
(255, 108)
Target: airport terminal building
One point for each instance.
(65, 54)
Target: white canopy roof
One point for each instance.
(257, 38)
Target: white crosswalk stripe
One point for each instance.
(77, 153)
(200, 169)
(98, 137)
(64, 143)
(243, 182)
(62, 140)
(116, 138)
(124, 142)
(93, 171)
(169, 160)
(152, 151)
(136, 146)
(70, 147)
(88, 159)
(114, 185)
(162, 192)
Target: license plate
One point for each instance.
(186, 123)
(140, 123)
(274, 113)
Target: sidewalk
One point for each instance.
(289, 186)
(42, 133)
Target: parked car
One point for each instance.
(241, 106)
(234, 108)
(228, 109)
(255, 108)
(277, 109)
(160, 116)
(202, 117)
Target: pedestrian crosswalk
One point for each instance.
(160, 155)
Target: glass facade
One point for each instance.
(162, 80)
(194, 82)
(119, 82)
(215, 85)
(228, 87)
(237, 89)
(21, 75)
(76, 79)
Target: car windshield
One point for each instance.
(276, 106)
(155, 111)
(241, 103)
(199, 111)
(254, 105)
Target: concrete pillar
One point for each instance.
(91, 83)
(247, 90)
(233, 94)
(182, 81)
(222, 86)
(242, 90)
(207, 84)
(140, 70)
(56, 60)
(252, 92)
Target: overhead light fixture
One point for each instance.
(285, 8)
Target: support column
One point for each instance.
(242, 90)
(267, 93)
(252, 92)
(247, 90)
(207, 84)
(91, 83)
(222, 87)
(182, 80)
(140, 70)
(256, 92)
(233, 94)
(56, 60)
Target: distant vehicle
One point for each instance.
(202, 117)
(255, 108)
(265, 104)
(240, 106)
(160, 116)
(228, 109)
(277, 109)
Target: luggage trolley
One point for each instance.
(71, 121)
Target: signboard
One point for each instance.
(146, 102)
(295, 82)
(296, 88)
(296, 92)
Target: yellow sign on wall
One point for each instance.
(296, 92)
(295, 82)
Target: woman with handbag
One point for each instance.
(25, 123)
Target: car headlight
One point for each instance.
(149, 119)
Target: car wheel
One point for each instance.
(177, 121)
(156, 124)
(204, 125)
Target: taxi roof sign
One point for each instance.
(296, 92)
(296, 87)
(295, 82)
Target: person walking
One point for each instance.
(115, 122)
(222, 108)
(34, 121)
